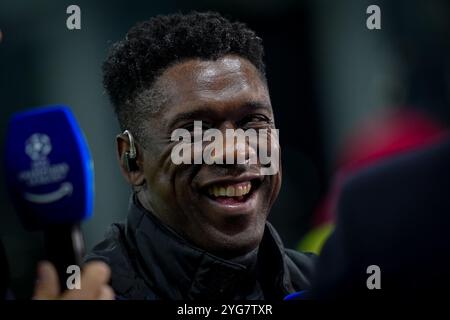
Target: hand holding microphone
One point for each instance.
(93, 284)
(49, 174)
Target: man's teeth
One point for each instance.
(236, 190)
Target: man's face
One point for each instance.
(224, 94)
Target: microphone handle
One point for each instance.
(64, 246)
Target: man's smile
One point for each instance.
(231, 195)
(237, 190)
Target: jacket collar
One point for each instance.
(172, 265)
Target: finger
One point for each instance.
(95, 275)
(47, 284)
(106, 293)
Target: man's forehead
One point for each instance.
(230, 80)
(222, 85)
(210, 72)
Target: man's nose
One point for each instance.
(235, 151)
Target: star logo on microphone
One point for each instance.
(38, 146)
(41, 172)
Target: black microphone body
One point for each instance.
(64, 246)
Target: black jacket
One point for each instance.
(151, 261)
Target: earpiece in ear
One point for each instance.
(130, 163)
(130, 156)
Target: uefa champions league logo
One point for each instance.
(38, 146)
(43, 173)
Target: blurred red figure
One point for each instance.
(376, 139)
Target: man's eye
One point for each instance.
(255, 120)
(190, 126)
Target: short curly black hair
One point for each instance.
(150, 47)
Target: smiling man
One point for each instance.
(194, 231)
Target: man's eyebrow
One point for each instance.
(197, 114)
(256, 105)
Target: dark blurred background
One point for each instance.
(327, 73)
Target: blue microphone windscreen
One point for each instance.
(48, 166)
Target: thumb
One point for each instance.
(47, 284)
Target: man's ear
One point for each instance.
(134, 177)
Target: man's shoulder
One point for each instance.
(301, 267)
(114, 251)
(111, 248)
(302, 259)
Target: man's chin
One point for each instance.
(234, 239)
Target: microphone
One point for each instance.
(49, 173)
